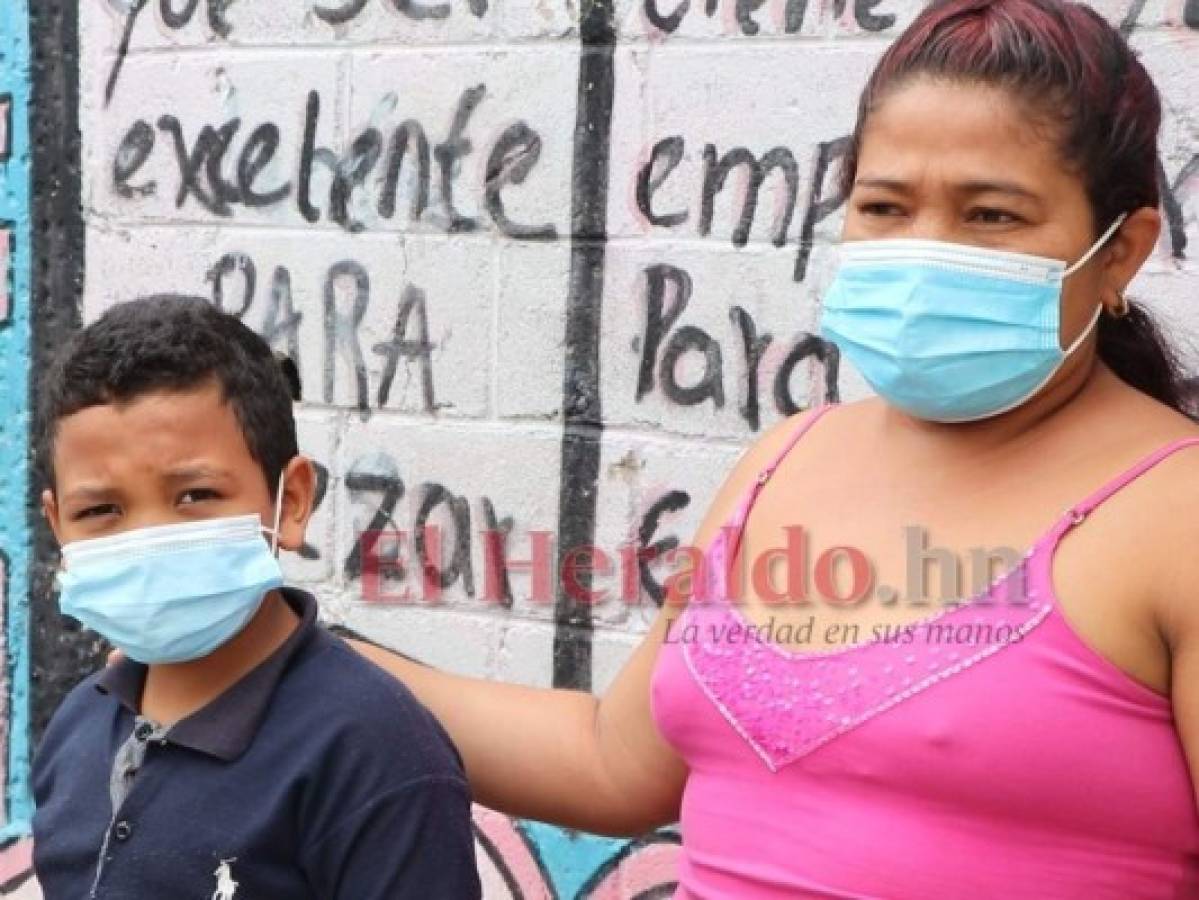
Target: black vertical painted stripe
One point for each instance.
(60, 653)
(581, 402)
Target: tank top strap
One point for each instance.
(751, 494)
(1076, 513)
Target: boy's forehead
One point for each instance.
(149, 433)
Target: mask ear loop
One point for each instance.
(278, 516)
(1085, 332)
(1095, 247)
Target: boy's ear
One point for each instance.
(50, 512)
(299, 497)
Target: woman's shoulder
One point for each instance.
(1170, 439)
(759, 455)
(776, 440)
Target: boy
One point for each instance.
(238, 750)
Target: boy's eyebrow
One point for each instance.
(87, 493)
(190, 472)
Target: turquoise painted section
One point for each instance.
(570, 858)
(15, 538)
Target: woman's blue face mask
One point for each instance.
(949, 332)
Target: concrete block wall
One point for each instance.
(488, 233)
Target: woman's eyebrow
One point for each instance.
(974, 186)
(890, 184)
(1001, 187)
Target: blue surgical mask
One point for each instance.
(172, 593)
(949, 332)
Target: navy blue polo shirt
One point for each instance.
(318, 775)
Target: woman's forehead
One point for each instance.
(957, 132)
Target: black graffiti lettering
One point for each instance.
(136, 147)
(1129, 23)
(350, 173)
(420, 11)
(863, 14)
(307, 550)
(754, 347)
(173, 19)
(498, 531)
(793, 16)
(346, 289)
(341, 14)
(460, 565)
(341, 331)
(227, 265)
(671, 502)
(661, 334)
(808, 345)
(177, 20)
(454, 148)
(201, 166)
(351, 9)
(512, 159)
(716, 172)
(745, 10)
(649, 179)
(819, 208)
(711, 383)
(220, 140)
(376, 475)
(1172, 206)
(401, 346)
(401, 143)
(863, 11)
(282, 318)
(666, 23)
(309, 156)
(135, 10)
(256, 155)
(216, 17)
(206, 155)
(658, 318)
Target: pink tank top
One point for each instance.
(992, 754)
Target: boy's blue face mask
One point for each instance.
(172, 593)
(949, 332)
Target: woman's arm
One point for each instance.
(567, 757)
(559, 756)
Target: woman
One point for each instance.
(999, 140)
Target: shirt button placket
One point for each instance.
(123, 830)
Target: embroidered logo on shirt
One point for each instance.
(226, 887)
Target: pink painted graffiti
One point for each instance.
(510, 869)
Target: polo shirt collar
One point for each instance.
(224, 728)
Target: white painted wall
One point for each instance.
(497, 306)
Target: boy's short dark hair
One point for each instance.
(174, 343)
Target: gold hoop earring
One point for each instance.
(1122, 309)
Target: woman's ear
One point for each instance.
(1130, 248)
(299, 498)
